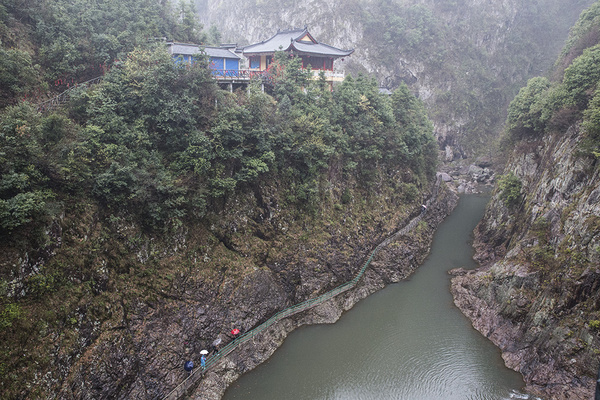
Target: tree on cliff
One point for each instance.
(157, 152)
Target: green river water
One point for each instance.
(407, 341)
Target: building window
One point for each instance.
(329, 64)
(317, 63)
(254, 62)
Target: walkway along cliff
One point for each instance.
(253, 347)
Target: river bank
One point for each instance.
(393, 263)
(407, 341)
(537, 295)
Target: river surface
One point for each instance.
(407, 341)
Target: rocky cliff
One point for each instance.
(126, 331)
(465, 58)
(538, 297)
(394, 262)
(141, 354)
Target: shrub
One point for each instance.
(510, 189)
(591, 126)
(583, 75)
(22, 209)
(9, 314)
(526, 110)
(409, 192)
(346, 196)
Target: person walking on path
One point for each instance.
(235, 333)
(203, 354)
(189, 366)
(215, 345)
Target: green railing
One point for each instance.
(184, 386)
(57, 101)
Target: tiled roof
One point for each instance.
(191, 49)
(320, 48)
(290, 40)
(219, 52)
(183, 48)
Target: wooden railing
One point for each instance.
(241, 74)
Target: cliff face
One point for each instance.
(155, 302)
(141, 354)
(538, 297)
(465, 59)
(394, 262)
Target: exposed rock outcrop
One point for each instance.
(537, 296)
(394, 262)
(129, 336)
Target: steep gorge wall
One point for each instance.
(538, 299)
(155, 302)
(394, 262)
(465, 59)
(141, 355)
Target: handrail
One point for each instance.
(245, 74)
(184, 386)
(51, 104)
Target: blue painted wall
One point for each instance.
(232, 64)
(217, 63)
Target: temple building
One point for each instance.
(318, 56)
(225, 61)
(219, 58)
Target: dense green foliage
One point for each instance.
(473, 67)
(585, 33)
(524, 113)
(17, 75)
(157, 150)
(158, 143)
(52, 43)
(510, 189)
(544, 106)
(163, 149)
(150, 140)
(591, 124)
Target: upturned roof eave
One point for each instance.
(303, 32)
(344, 53)
(298, 51)
(294, 43)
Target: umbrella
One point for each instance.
(216, 342)
(189, 365)
(235, 331)
(204, 352)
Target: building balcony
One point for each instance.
(245, 75)
(330, 76)
(237, 74)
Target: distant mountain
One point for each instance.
(466, 59)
